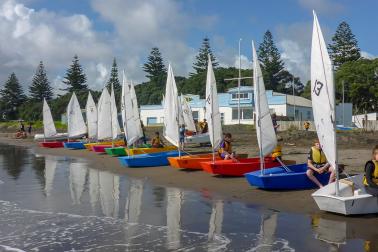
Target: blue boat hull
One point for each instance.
(74, 145)
(278, 178)
(148, 160)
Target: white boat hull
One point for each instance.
(352, 200)
(198, 139)
(58, 136)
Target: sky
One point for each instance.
(99, 30)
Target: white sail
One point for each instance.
(75, 121)
(171, 109)
(134, 100)
(109, 193)
(266, 135)
(48, 122)
(187, 115)
(78, 173)
(104, 129)
(93, 187)
(91, 112)
(212, 115)
(129, 123)
(114, 116)
(50, 167)
(323, 93)
(174, 202)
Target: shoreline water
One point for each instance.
(235, 189)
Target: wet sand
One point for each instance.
(232, 188)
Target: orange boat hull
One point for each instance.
(191, 162)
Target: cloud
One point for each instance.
(322, 6)
(368, 55)
(28, 36)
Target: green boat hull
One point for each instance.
(121, 151)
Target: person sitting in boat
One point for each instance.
(156, 141)
(317, 162)
(371, 174)
(182, 136)
(277, 152)
(225, 147)
(204, 127)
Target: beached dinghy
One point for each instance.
(49, 130)
(214, 124)
(347, 196)
(286, 177)
(148, 160)
(291, 177)
(75, 124)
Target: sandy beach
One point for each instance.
(353, 155)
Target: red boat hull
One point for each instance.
(101, 148)
(238, 169)
(52, 144)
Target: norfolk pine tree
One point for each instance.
(202, 57)
(75, 77)
(12, 97)
(344, 47)
(40, 87)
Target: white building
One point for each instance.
(281, 104)
(359, 120)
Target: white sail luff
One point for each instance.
(171, 109)
(136, 114)
(266, 135)
(75, 121)
(49, 129)
(104, 129)
(323, 94)
(212, 114)
(91, 112)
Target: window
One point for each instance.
(151, 120)
(195, 115)
(309, 115)
(243, 96)
(245, 113)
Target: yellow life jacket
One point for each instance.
(318, 156)
(277, 152)
(375, 174)
(226, 146)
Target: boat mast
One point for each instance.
(212, 120)
(334, 135)
(259, 125)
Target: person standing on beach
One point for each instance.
(182, 136)
(22, 126)
(371, 174)
(30, 128)
(317, 162)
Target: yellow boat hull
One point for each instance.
(138, 151)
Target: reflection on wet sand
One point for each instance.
(216, 219)
(77, 177)
(174, 202)
(338, 232)
(94, 188)
(133, 207)
(266, 237)
(109, 193)
(50, 167)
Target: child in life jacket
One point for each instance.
(225, 148)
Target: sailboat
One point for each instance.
(91, 112)
(104, 122)
(171, 130)
(347, 196)
(214, 124)
(75, 123)
(50, 136)
(266, 138)
(190, 125)
(114, 126)
(279, 177)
